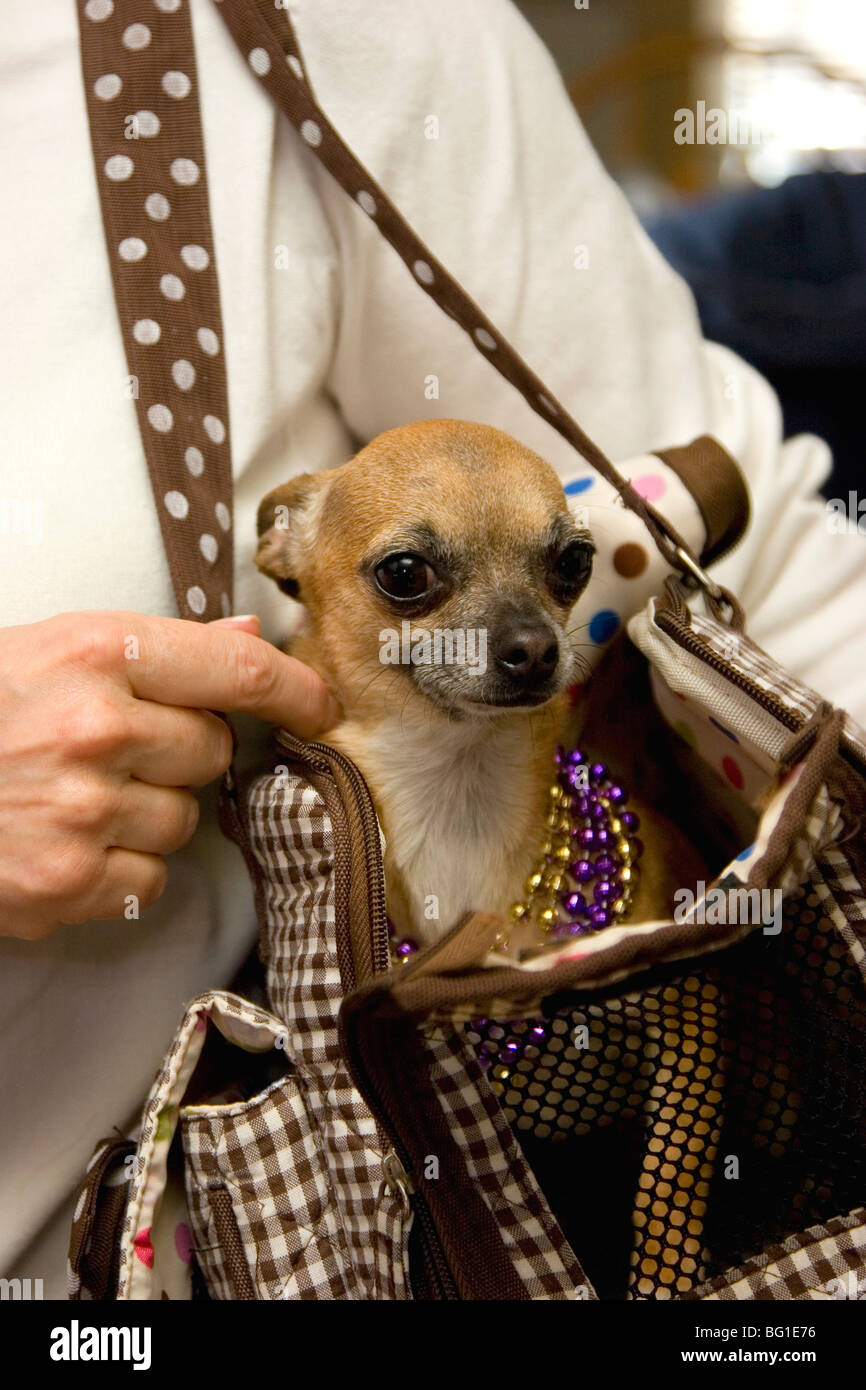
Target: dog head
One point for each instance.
(438, 568)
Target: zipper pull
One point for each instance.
(397, 1180)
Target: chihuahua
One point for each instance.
(441, 571)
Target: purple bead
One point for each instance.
(512, 1044)
(598, 812)
(576, 778)
(598, 915)
(484, 1061)
(606, 864)
(406, 948)
(574, 758)
(582, 870)
(561, 932)
(616, 794)
(587, 836)
(604, 889)
(597, 771)
(559, 755)
(539, 1031)
(603, 836)
(573, 903)
(582, 805)
(578, 929)
(630, 820)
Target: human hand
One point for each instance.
(105, 723)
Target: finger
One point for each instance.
(175, 747)
(152, 820)
(246, 622)
(209, 666)
(130, 882)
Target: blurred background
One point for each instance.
(737, 129)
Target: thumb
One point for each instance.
(298, 699)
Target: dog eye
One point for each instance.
(573, 564)
(405, 576)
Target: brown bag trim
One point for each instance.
(231, 1245)
(712, 477)
(94, 1242)
(386, 1057)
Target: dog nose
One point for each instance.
(527, 652)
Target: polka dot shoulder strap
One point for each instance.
(141, 87)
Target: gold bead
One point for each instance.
(555, 792)
(553, 881)
(518, 912)
(626, 874)
(623, 849)
(533, 882)
(616, 826)
(603, 801)
(619, 906)
(547, 847)
(551, 820)
(563, 854)
(548, 917)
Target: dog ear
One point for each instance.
(285, 526)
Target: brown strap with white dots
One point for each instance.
(141, 86)
(263, 32)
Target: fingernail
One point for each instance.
(235, 618)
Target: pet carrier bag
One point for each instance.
(666, 1109)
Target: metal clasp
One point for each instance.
(701, 577)
(397, 1180)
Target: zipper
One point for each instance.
(435, 1265)
(436, 1269)
(686, 639)
(323, 760)
(396, 1163)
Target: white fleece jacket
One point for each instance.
(321, 356)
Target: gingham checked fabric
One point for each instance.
(300, 1165)
(269, 1151)
(303, 1161)
(242, 1023)
(541, 1255)
(292, 836)
(827, 1261)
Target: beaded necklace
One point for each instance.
(585, 876)
(583, 881)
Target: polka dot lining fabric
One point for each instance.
(140, 82)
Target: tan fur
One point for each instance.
(461, 788)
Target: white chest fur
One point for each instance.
(460, 806)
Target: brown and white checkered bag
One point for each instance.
(341, 1135)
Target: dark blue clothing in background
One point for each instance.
(779, 275)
